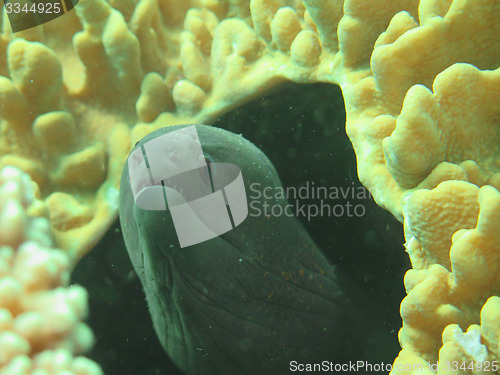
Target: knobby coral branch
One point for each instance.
(40, 313)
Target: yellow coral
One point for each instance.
(421, 83)
(449, 295)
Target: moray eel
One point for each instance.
(254, 300)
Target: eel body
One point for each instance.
(249, 301)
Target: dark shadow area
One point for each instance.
(301, 129)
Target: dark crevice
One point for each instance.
(301, 128)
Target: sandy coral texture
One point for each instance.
(421, 83)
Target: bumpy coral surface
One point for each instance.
(40, 314)
(421, 82)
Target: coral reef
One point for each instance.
(40, 314)
(421, 86)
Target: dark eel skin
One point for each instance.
(249, 301)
